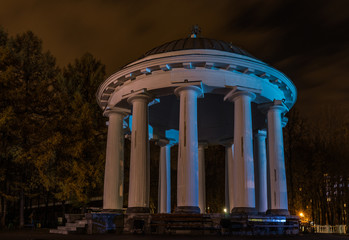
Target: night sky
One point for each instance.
(307, 40)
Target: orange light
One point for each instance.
(301, 214)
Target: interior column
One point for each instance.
(260, 166)
(164, 202)
(202, 184)
(229, 176)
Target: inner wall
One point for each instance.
(215, 117)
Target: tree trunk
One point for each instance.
(63, 212)
(21, 209)
(46, 209)
(4, 211)
(4, 202)
(54, 218)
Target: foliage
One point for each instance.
(83, 131)
(52, 131)
(317, 167)
(25, 79)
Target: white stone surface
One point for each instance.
(114, 163)
(277, 172)
(139, 182)
(164, 201)
(271, 83)
(260, 166)
(188, 166)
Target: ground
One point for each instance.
(43, 234)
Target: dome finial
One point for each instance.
(195, 31)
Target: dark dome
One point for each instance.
(197, 43)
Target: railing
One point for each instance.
(339, 229)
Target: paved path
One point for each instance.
(44, 235)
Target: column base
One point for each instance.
(138, 210)
(187, 209)
(278, 212)
(244, 210)
(112, 210)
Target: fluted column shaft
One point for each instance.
(188, 167)
(164, 177)
(114, 163)
(260, 165)
(244, 199)
(277, 173)
(139, 183)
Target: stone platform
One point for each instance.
(206, 224)
(175, 223)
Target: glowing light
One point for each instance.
(225, 210)
(301, 214)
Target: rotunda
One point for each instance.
(208, 92)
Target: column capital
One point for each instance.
(278, 105)
(227, 142)
(117, 110)
(274, 105)
(203, 144)
(260, 133)
(284, 121)
(233, 94)
(144, 96)
(163, 142)
(196, 89)
(280, 108)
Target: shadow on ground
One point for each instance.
(42, 234)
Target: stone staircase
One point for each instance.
(76, 223)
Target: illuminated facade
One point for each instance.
(208, 92)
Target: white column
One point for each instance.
(202, 184)
(229, 177)
(260, 166)
(114, 163)
(277, 172)
(244, 199)
(188, 166)
(164, 201)
(139, 183)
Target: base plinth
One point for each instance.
(187, 209)
(113, 211)
(244, 210)
(138, 210)
(278, 212)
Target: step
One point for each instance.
(67, 228)
(82, 222)
(76, 225)
(74, 217)
(57, 231)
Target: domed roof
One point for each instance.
(197, 43)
